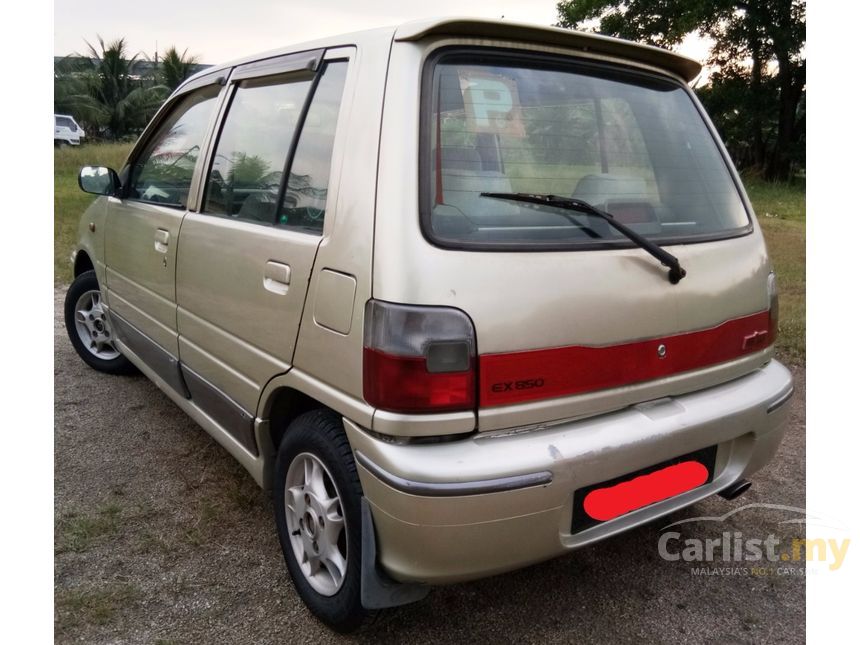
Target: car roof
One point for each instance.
(339, 40)
(681, 66)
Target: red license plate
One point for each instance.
(611, 499)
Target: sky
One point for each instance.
(221, 30)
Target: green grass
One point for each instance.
(70, 202)
(92, 606)
(79, 533)
(781, 210)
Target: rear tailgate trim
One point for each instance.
(517, 377)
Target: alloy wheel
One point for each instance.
(316, 524)
(93, 327)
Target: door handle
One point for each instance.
(162, 237)
(277, 277)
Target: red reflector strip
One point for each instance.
(546, 373)
(608, 503)
(403, 384)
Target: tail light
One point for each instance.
(773, 314)
(418, 359)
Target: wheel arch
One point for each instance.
(83, 263)
(286, 404)
(281, 407)
(290, 394)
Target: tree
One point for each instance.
(106, 90)
(757, 52)
(175, 67)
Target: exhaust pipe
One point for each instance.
(735, 490)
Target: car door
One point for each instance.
(142, 229)
(61, 128)
(245, 258)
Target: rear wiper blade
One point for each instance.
(676, 271)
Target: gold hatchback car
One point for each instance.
(465, 295)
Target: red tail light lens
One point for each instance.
(418, 359)
(403, 384)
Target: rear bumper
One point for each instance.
(503, 500)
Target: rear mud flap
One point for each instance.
(378, 591)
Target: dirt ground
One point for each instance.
(161, 537)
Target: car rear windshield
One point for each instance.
(631, 144)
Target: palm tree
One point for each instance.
(176, 67)
(104, 89)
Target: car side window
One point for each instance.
(248, 166)
(162, 173)
(307, 187)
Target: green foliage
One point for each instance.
(662, 23)
(113, 94)
(748, 121)
(104, 91)
(757, 94)
(175, 67)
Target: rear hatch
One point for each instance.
(571, 317)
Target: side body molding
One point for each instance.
(228, 414)
(224, 410)
(162, 362)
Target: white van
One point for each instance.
(67, 131)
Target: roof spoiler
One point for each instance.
(681, 66)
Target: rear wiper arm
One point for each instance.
(676, 271)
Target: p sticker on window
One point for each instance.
(491, 104)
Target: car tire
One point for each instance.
(88, 327)
(317, 498)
